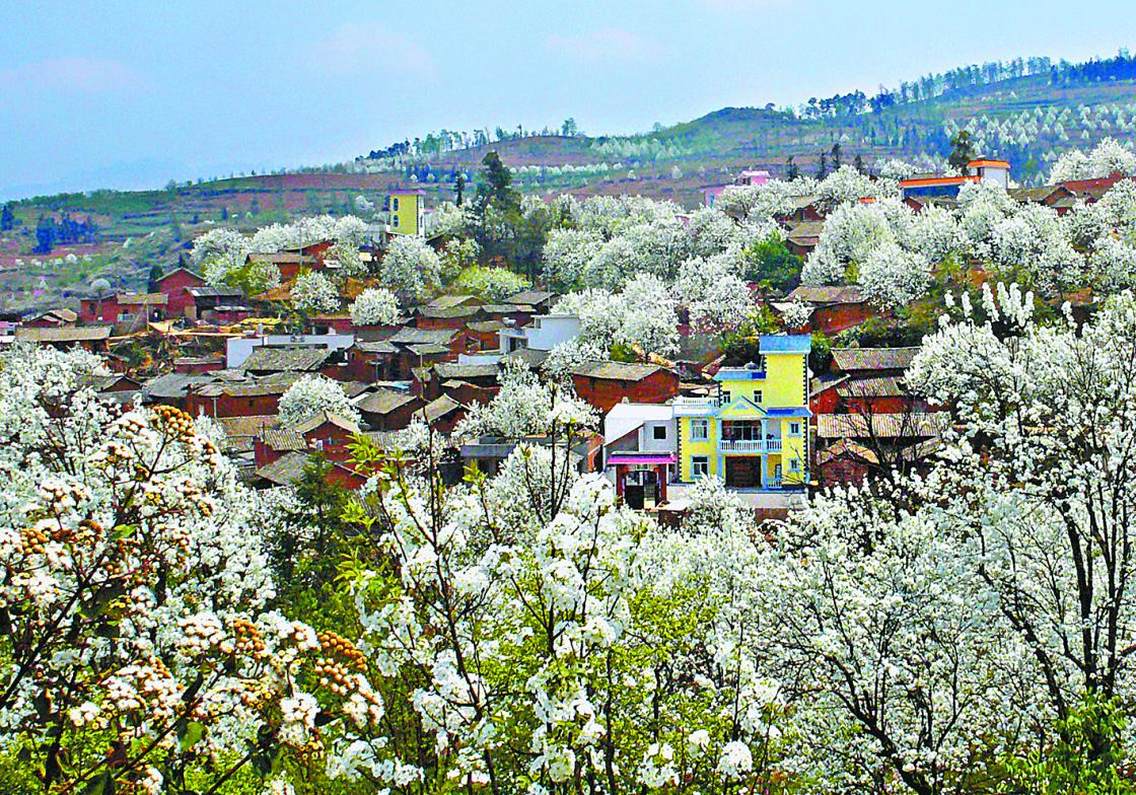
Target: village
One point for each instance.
(775, 428)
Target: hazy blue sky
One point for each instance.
(131, 94)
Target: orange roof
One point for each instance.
(922, 181)
(982, 161)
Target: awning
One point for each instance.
(642, 458)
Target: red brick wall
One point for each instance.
(604, 393)
(440, 322)
(232, 405)
(175, 287)
(831, 319)
(95, 311)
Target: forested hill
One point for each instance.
(1028, 111)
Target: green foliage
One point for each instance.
(962, 150)
(488, 283)
(1085, 754)
(820, 356)
(744, 346)
(770, 263)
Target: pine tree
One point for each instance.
(962, 151)
(792, 171)
(459, 189)
(7, 218)
(822, 168)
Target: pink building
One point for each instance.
(711, 193)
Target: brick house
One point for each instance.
(175, 286)
(834, 308)
(428, 381)
(603, 384)
(388, 409)
(122, 307)
(52, 318)
(216, 303)
(241, 399)
(90, 338)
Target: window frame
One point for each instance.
(703, 426)
(795, 428)
(655, 433)
(699, 467)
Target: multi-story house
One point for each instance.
(753, 434)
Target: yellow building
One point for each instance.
(404, 212)
(754, 432)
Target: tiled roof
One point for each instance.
(446, 370)
(847, 450)
(872, 387)
(284, 471)
(378, 346)
(63, 334)
(436, 409)
(264, 359)
(448, 312)
(240, 431)
(508, 309)
(873, 358)
(216, 291)
(840, 294)
(428, 349)
(281, 257)
(530, 297)
(325, 416)
(485, 326)
(806, 230)
(445, 301)
(141, 299)
(422, 336)
(284, 441)
(384, 401)
(173, 385)
(616, 371)
(883, 426)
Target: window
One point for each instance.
(794, 429)
(394, 204)
(724, 398)
(699, 430)
(794, 465)
(395, 221)
(758, 397)
(699, 466)
(660, 432)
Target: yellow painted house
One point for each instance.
(754, 432)
(404, 212)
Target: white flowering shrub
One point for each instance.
(410, 266)
(311, 395)
(892, 277)
(1107, 158)
(375, 306)
(716, 297)
(314, 294)
(136, 633)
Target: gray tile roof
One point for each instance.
(286, 359)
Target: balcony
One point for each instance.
(751, 446)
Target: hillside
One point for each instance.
(1028, 112)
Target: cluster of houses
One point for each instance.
(771, 429)
(804, 220)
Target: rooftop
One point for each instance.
(827, 294)
(616, 371)
(265, 359)
(873, 358)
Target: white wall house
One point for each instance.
(544, 333)
(238, 349)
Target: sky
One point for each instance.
(117, 94)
